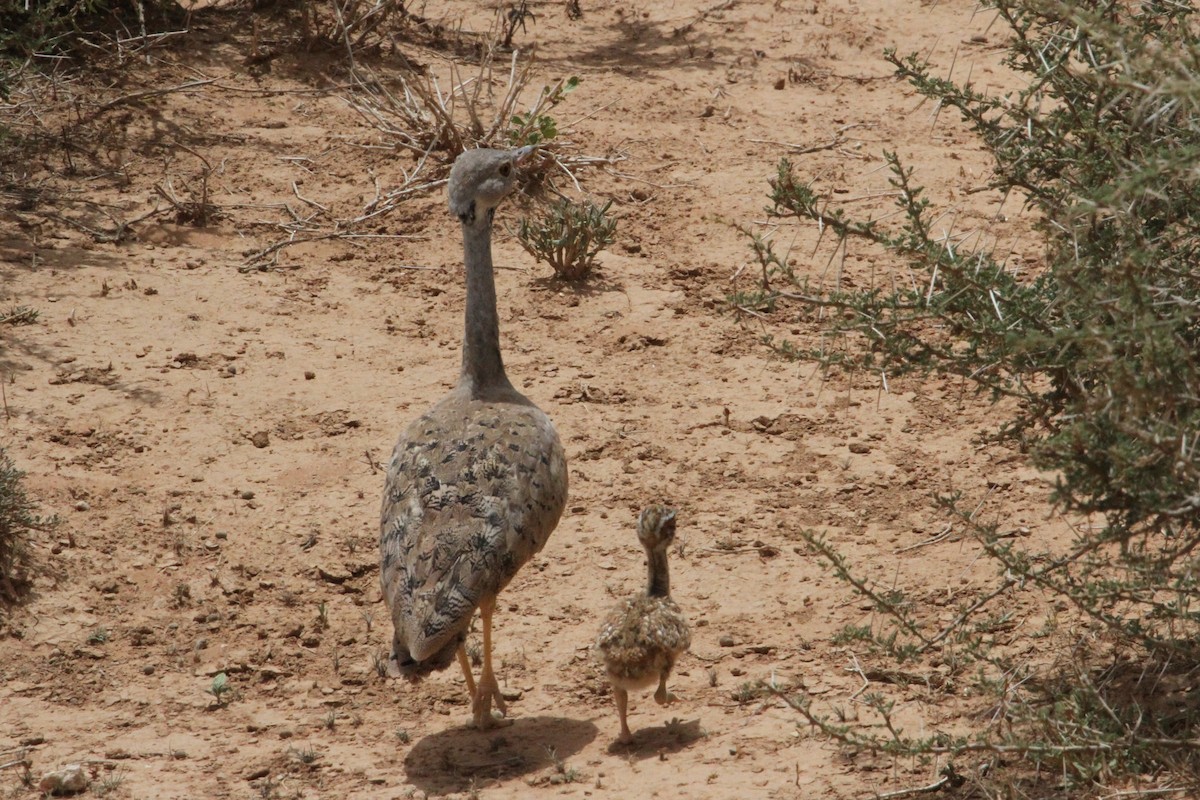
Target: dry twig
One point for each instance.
(144, 93)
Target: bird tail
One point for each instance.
(403, 665)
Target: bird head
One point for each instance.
(656, 527)
(480, 179)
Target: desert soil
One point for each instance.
(212, 437)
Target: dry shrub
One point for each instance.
(17, 521)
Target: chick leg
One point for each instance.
(662, 696)
(622, 698)
(465, 663)
(488, 690)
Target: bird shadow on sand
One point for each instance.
(456, 759)
(656, 740)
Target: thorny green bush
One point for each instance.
(1097, 352)
(568, 236)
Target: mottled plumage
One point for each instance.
(644, 635)
(641, 639)
(473, 490)
(476, 485)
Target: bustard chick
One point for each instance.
(644, 635)
(476, 485)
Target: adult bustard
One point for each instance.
(476, 485)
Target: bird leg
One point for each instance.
(465, 663)
(488, 690)
(662, 696)
(622, 698)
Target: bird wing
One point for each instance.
(473, 491)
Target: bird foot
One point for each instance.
(487, 693)
(491, 722)
(664, 698)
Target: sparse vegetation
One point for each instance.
(1095, 357)
(379, 662)
(774, 271)
(536, 127)
(17, 521)
(268, 787)
(220, 689)
(568, 236)
(57, 26)
(748, 691)
(424, 117)
(181, 595)
(109, 783)
(349, 25)
(306, 755)
(19, 315)
(514, 17)
(322, 616)
(563, 773)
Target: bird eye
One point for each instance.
(505, 169)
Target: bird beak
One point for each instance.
(520, 154)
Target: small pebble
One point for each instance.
(309, 374)
(725, 641)
(82, 506)
(148, 669)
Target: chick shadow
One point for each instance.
(657, 740)
(456, 759)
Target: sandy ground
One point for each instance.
(212, 437)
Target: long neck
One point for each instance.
(482, 367)
(658, 583)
